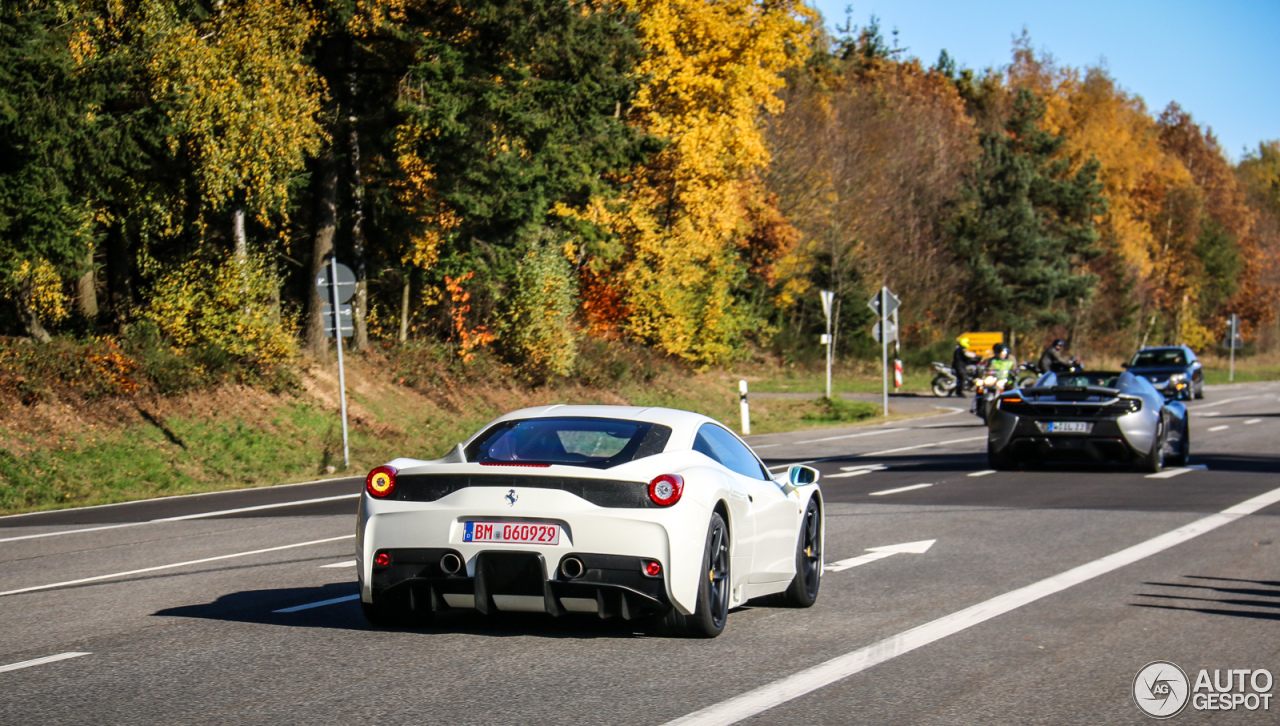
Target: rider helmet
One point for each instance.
(964, 342)
(999, 349)
(1059, 343)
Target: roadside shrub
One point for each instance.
(538, 329)
(93, 369)
(222, 305)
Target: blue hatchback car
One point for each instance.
(1172, 365)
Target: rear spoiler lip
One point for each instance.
(1054, 390)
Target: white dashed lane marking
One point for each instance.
(899, 489)
(1219, 428)
(99, 578)
(984, 472)
(322, 603)
(1252, 421)
(40, 661)
(348, 563)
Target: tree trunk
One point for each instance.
(119, 276)
(360, 312)
(321, 248)
(404, 310)
(87, 289)
(31, 321)
(237, 228)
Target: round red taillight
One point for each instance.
(382, 559)
(652, 568)
(665, 489)
(381, 482)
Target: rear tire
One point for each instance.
(803, 592)
(998, 460)
(381, 615)
(708, 620)
(940, 388)
(1200, 391)
(1184, 446)
(1153, 461)
(395, 611)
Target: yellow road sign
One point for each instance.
(981, 343)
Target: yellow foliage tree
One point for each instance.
(712, 69)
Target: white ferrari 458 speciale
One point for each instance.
(612, 510)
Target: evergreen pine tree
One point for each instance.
(1025, 225)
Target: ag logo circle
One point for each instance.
(1161, 689)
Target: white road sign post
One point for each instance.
(338, 284)
(827, 297)
(885, 306)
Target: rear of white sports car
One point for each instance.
(618, 529)
(553, 541)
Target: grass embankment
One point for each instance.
(85, 434)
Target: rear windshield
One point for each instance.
(598, 443)
(1159, 359)
(1106, 380)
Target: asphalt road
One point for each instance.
(1038, 600)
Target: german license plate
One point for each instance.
(1068, 427)
(514, 532)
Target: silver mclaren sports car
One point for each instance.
(1093, 416)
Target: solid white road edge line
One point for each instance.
(201, 515)
(320, 604)
(1252, 421)
(766, 697)
(40, 661)
(984, 472)
(899, 489)
(98, 578)
(878, 453)
(1218, 428)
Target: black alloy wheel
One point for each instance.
(803, 591)
(708, 620)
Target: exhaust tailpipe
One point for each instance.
(572, 568)
(451, 563)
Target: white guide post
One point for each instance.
(746, 410)
(827, 297)
(342, 380)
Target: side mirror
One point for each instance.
(799, 475)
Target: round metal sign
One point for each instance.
(346, 283)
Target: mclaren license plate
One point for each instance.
(513, 532)
(1066, 427)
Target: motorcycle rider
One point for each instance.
(1054, 359)
(1002, 363)
(961, 359)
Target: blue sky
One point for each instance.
(1219, 60)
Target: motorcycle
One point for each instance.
(944, 382)
(986, 391)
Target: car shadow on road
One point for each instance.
(1236, 462)
(1202, 597)
(260, 606)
